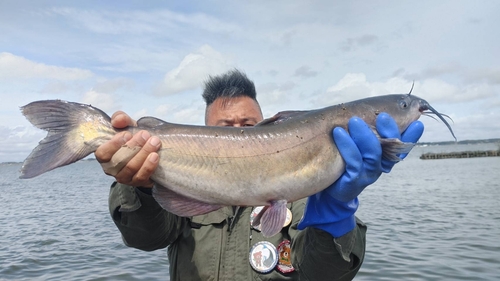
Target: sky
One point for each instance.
(150, 58)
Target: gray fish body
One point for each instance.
(248, 166)
(282, 159)
(253, 166)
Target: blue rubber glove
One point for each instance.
(333, 209)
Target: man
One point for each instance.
(322, 241)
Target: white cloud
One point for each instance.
(191, 113)
(112, 85)
(103, 101)
(55, 87)
(305, 71)
(130, 56)
(355, 86)
(465, 127)
(271, 93)
(351, 44)
(435, 90)
(53, 51)
(17, 142)
(139, 114)
(143, 21)
(103, 93)
(488, 75)
(164, 109)
(193, 70)
(16, 67)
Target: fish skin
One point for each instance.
(286, 157)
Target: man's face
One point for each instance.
(233, 112)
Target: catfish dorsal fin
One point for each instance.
(281, 117)
(152, 122)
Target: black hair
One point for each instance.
(233, 83)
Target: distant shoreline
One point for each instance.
(484, 141)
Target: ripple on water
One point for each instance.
(427, 220)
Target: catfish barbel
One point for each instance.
(282, 159)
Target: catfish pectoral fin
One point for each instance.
(179, 204)
(272, 218)
(392, 148)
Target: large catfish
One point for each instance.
(282, 159)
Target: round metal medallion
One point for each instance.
(263, 257)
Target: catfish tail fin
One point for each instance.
(74, 131)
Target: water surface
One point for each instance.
(427, 220)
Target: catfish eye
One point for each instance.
(403, 104)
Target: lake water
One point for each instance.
(427, 220)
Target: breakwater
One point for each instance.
(461, 154)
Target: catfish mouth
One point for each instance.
(426, 109)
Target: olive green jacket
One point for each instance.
(216, 246)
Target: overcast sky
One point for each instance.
(151, 58)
